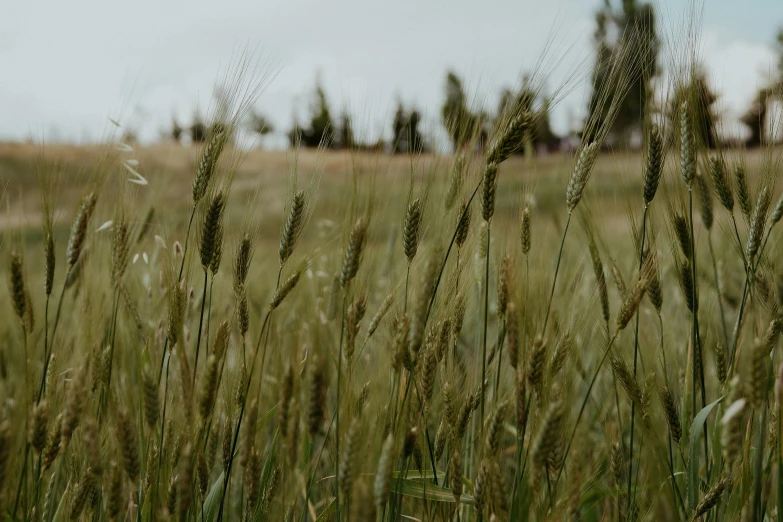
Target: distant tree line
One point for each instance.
(629, 29)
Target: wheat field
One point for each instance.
(216, 334)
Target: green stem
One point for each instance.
(554, 279)
(584, 404)
(200, 324)
(337, 403)
(759, 464)
(717, 289)
(227, 478)
(635, 357)
(484, 333)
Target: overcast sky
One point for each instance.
(67, 66)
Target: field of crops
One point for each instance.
(212, 334)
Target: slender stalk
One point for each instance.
(484, 333)
(200, 324)
(337, 403)
(209, 312)
(718, 290)
(635, 357)
(179, 278)
(759, 464)
(584, 404)
(696, 339)
(227, 478)
(42, 387)
(554, 279)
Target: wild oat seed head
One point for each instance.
(488, 188)
(114, 494)
(524, 231)
(711, 498)
(243, 312)
(626, 379)
(120, 249)
(654, 167)
(455, 474)
(463, 225)
(631, 304)
(721, 182)
(757, 222)
(777, 212)
(75, 399)
(209, 388)
(705, 197)
(686, 285)
(744, 197)
(126, 439)
(495, 428)
(49, 261)
(380, 314)
(511, 138)
(211, 229)
(383, 476)
(207, 163)
(410, 231)
(151, 404)
(242, 262)
(317, 396)
(720, 362)
(672, 412)
(293, 226)
(16, 286)
(285, 289)
(537, 364)
(353, 252)
(79, 229)
(39, 426)
(683, 233)
(581, 174)
(547, 440)
(345, 472)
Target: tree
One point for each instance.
(635, 25)
(176, 130)
(755, 118)
(462, 125)
(346, 139)
(259, 124)
(405, 129)
(320, 122)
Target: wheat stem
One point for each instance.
(718, 290)
(484, 333)
(200, 324)
(554, 279)
(635, 357)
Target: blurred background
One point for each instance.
(382, 76)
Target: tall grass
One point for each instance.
(342, 367)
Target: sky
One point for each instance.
(70, 66)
